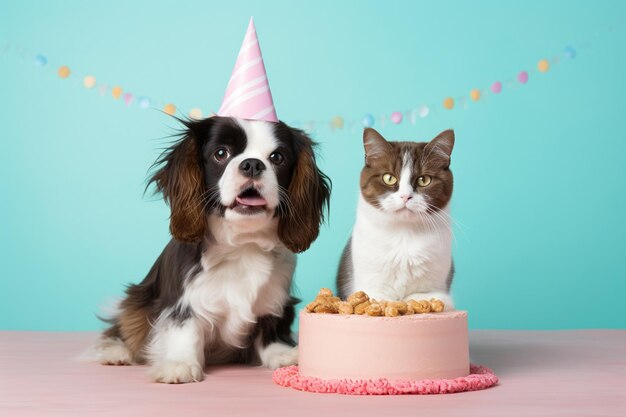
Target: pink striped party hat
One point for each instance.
(248, 93)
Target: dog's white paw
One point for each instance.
(111, 351)
(175, 372)
(277, 355)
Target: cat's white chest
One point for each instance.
(407, 254)
(391, 261)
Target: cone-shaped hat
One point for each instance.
(248, 93)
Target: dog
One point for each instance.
(245, 196)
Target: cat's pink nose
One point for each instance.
(405, 198)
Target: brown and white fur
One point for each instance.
(400, 246)
(244, 197)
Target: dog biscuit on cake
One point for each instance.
(360, 303)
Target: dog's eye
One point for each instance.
(221, 154)
(277, 158)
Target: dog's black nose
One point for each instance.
(251, 167)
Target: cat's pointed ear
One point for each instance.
(440, 148)
(375, 145)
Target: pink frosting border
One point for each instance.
(480, 377)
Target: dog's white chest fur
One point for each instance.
(237, 285)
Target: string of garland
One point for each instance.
(90, 82)
(448, 103)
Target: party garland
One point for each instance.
(89, 81)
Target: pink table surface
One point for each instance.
(557, 373)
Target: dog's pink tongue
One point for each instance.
(251, 201)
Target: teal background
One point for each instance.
(539, 169)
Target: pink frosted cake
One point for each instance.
(362, 346)
(411, 347)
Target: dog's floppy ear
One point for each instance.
(308, 197)
(179, 178)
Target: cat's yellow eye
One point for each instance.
(389, 179)
(424, 180)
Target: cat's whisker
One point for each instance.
(430, 226)
(435, 227)
(442, 222)
(447, 225)
(425, 221)
(461, 226)
(449, 221)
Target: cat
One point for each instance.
(401, 244)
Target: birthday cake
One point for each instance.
(367, 339)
